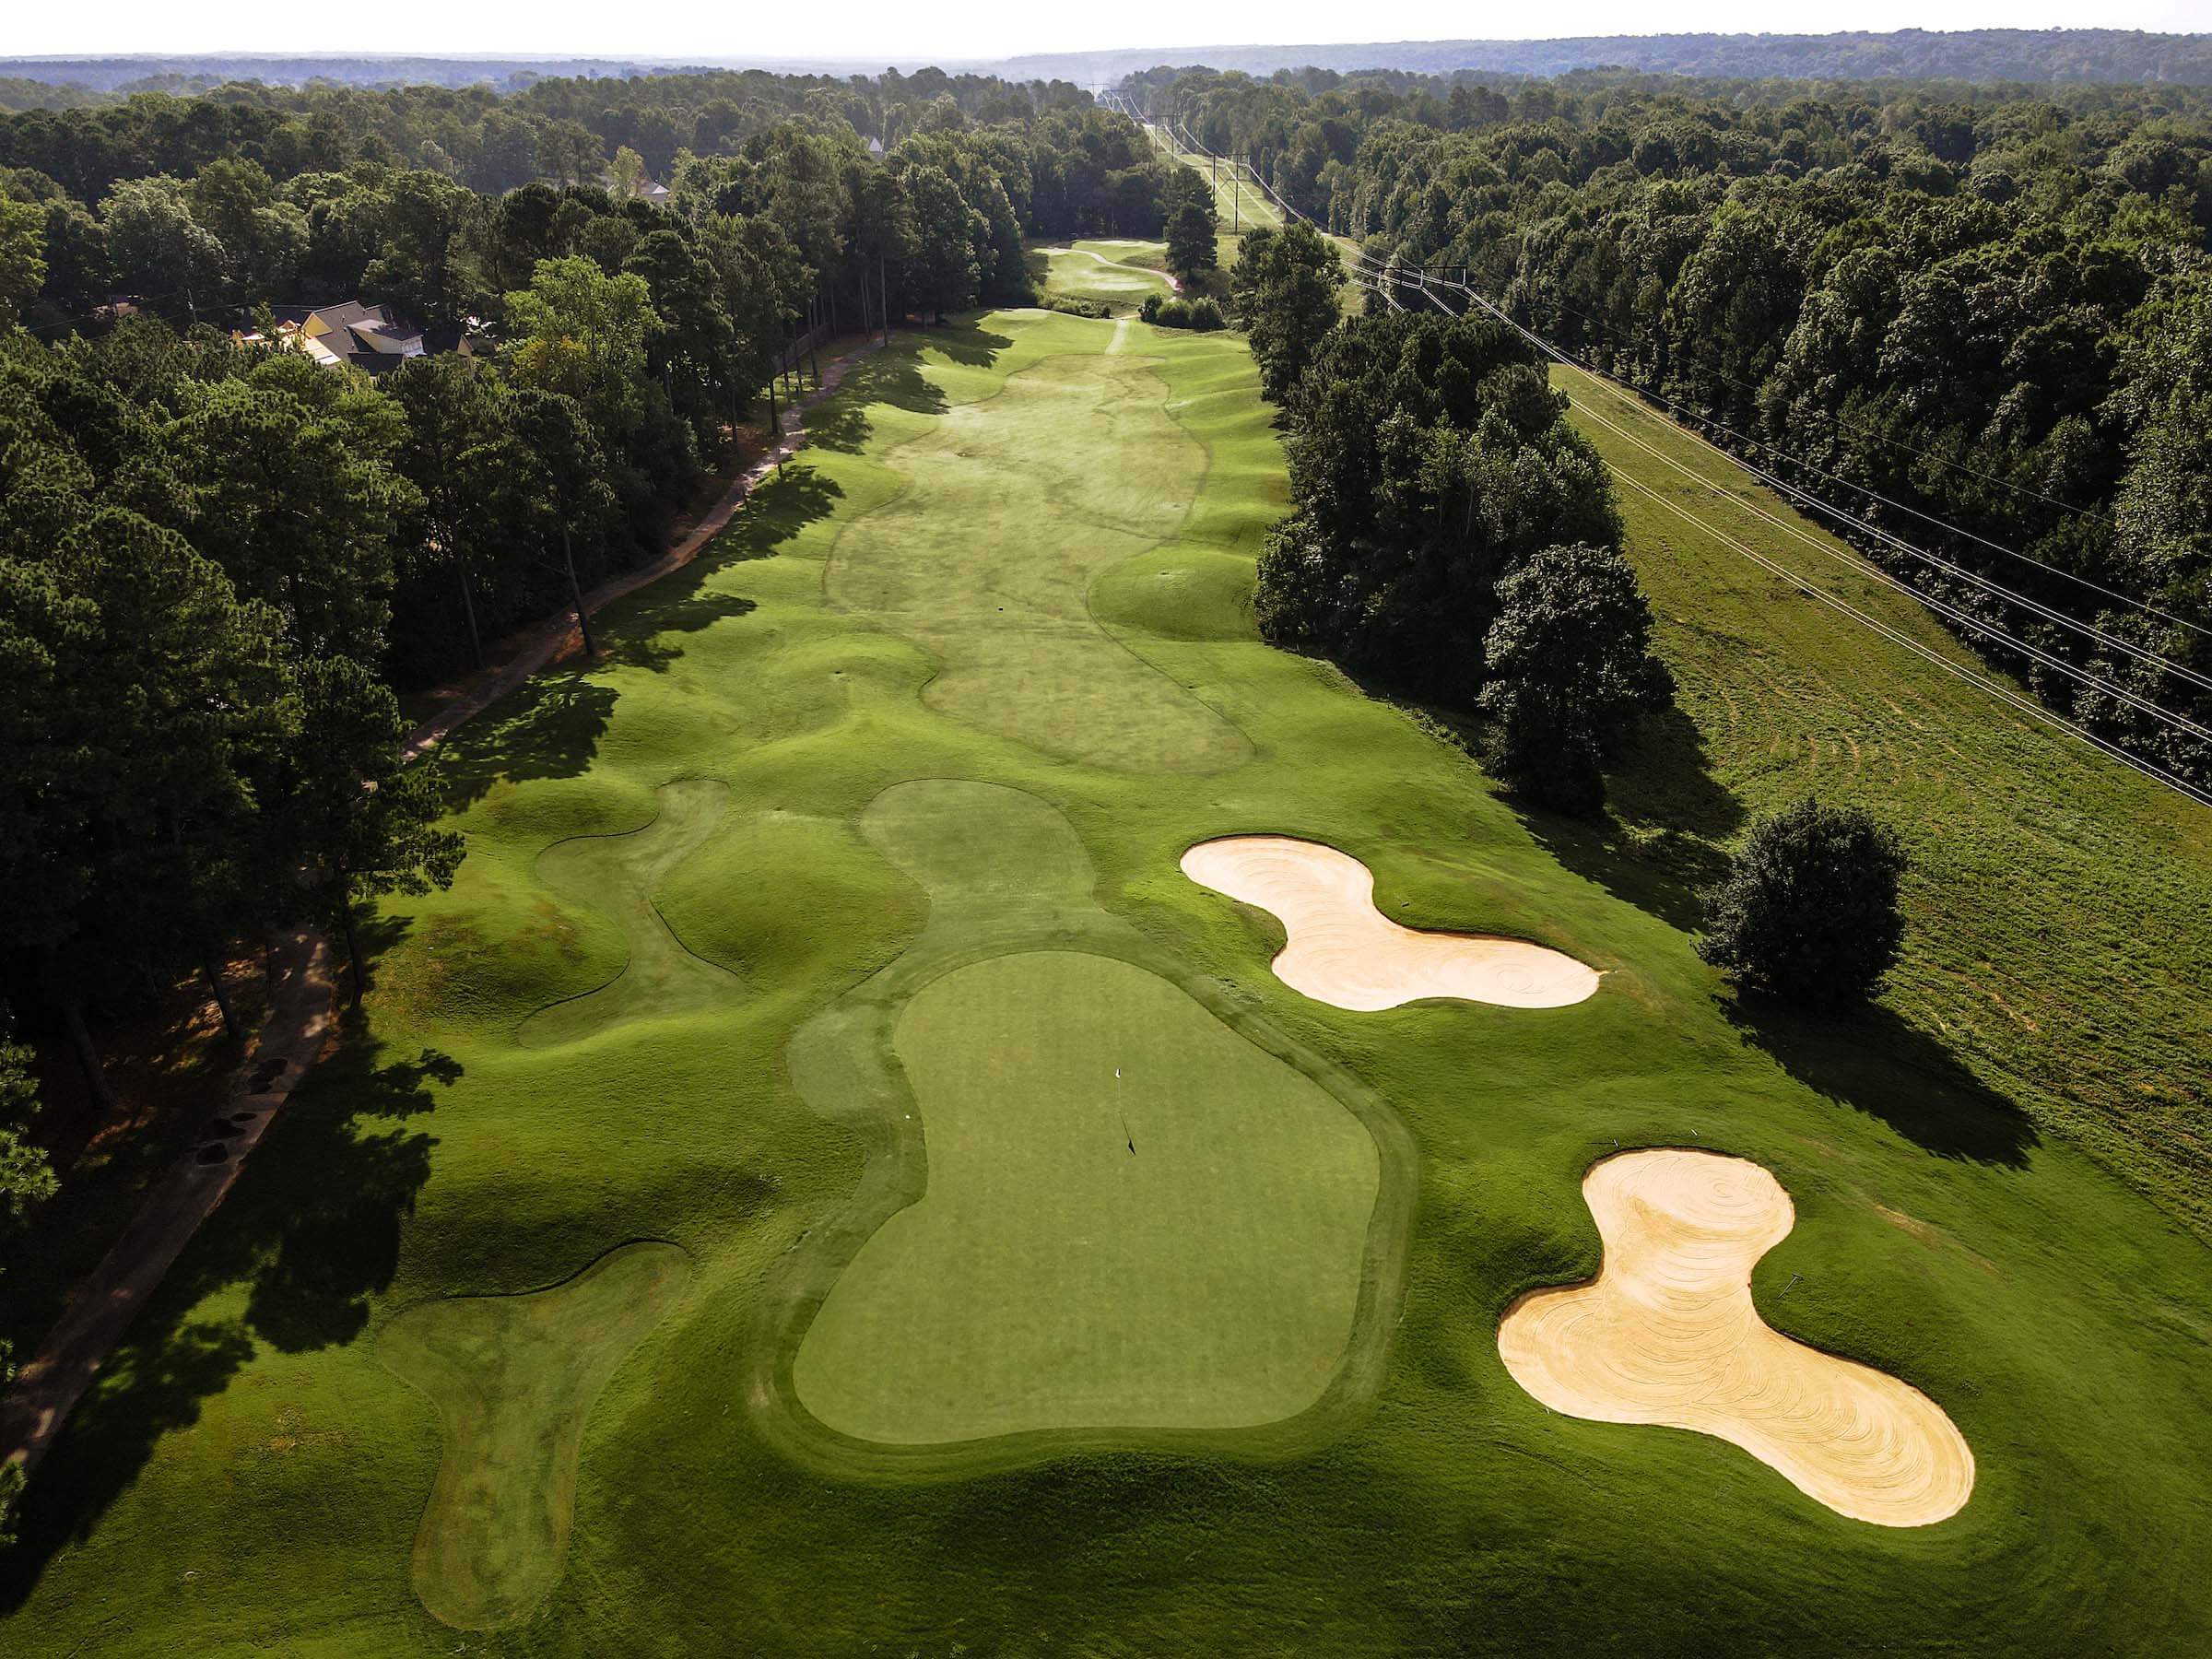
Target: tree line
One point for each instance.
(1983, 325)
(1450, 535)
(220, 560)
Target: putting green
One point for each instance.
(1111, 1204)
(515, 1379)
(985, 560)
(618, 875)
(1134, 1219)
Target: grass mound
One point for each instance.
(515, 1379)
(1178, 593)
(617, 875)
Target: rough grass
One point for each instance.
(513, 1378)
(248, 1437)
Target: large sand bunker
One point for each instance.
(1667, 1333)
(1343, 950)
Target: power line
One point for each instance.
(1841, 425)
(1775, 448)
(2007, 694)
(2087, 630)
(1964, 618)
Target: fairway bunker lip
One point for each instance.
(1667, 1335)
(1341, 949)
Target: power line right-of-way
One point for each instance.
(1379, 277)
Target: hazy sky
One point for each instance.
(877, 32)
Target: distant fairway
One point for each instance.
(987, 560)
(1113, 273)
(855, 867)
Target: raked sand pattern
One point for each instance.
(1342, 950)
(1667, 1333)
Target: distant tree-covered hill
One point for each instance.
(1978, 54)
(1970, 55)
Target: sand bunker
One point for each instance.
(1667, 1333)
(1342, 950)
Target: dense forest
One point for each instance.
(1982, 326)
(1985, 56)
(222, 560)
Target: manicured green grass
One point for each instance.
(985, 560)
(1115, 274)
(1134, 1219)
(617, 876)
(513, 1378)
(249, 1437)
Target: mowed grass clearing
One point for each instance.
(2061, 906)
(249, 1435)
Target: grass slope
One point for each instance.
(247, 1478)
(2061, 933)
(515, 1379)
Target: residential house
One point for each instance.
(371, 337)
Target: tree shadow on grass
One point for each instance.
(969, 343)
(892, 377)
(1663, 840)
(311, 1232)
(1873, 1062)
(782, 506)
(549, 727)
(648, 645)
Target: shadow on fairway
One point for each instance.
(1876, 1062)
(892, 377)
(651, 649)
(967, 344)
(311, 1232)
(549, 728)
(778, 510)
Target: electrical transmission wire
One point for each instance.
(1890, 538)
(1898, 444)
(2007, 694)
(2013, 553)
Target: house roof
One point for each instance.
(369, 336)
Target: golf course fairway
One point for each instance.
(855, 862)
